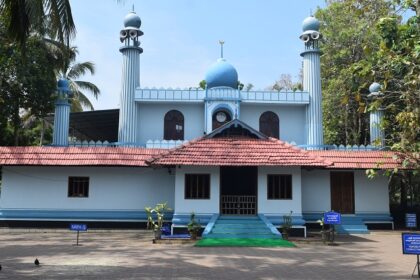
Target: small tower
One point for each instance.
(131, 51)
(377, 134)
(312, 82)
(62, 114)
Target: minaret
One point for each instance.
(377, 134)
(312, 82)
(131, 51)
(62, 114)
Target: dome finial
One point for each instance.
(221, 42)
(132, 9)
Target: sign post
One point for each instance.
(411, 246)
(78, 228)
(410, 220)
(332, 218)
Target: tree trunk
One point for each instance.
(346, 125)
(403, 191)
(41, 140)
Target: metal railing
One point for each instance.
(238, 204)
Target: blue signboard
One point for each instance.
(410, 220)
(332, 218)
(411, 243)
(78, 227)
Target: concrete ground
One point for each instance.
(131, 255)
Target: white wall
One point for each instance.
(151, 118)
(371, 196)
(316, 195)
(199, 206)
(119, 188)
(292, 119)
(281, 206)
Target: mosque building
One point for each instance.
(220, 152)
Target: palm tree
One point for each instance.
(21, 17)
(72, 71)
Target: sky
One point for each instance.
(181, 40)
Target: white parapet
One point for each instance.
(164, 144)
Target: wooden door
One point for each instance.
(342, 192)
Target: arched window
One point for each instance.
(270, 124)
(220, 117)
(173, 128)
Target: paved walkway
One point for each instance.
(130, 255)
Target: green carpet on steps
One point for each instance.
(243, 242)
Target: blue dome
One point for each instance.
(63, 84)
(132, 20)
(222, 74)
(310, 24)
(375, 87)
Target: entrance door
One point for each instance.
(342, 192)
(238, 190)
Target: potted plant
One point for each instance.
(157, 212)
(287, 225)
(323, 232)
(194, 227)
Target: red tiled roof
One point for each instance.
(72, 156)
(203, 152)
(360, 159)
(238, 151)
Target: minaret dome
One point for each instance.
(374, 87)
(310, 24)
(132, 20)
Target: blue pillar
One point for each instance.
(312, 82)
(377, 134)
(62, 115)
(128, 119)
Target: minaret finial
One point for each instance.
(310, 12)
(221, 42)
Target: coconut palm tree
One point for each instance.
(72, 71)
(21, 17)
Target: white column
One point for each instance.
(312, 84)
(61, 123)
(377, 134)
(127, 132)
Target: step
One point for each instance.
(242, 235)
(240, 230)
(241, 222)
(233, 217)
(240, 227)
(353, 228)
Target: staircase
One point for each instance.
(241, 227)
(352, 225)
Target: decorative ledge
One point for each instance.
(228, 94)
(164, 144)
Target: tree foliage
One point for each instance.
(34, 53)
(398, 70)
(27, 83)
(377, 46)
(24, 17)
(350, 37)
